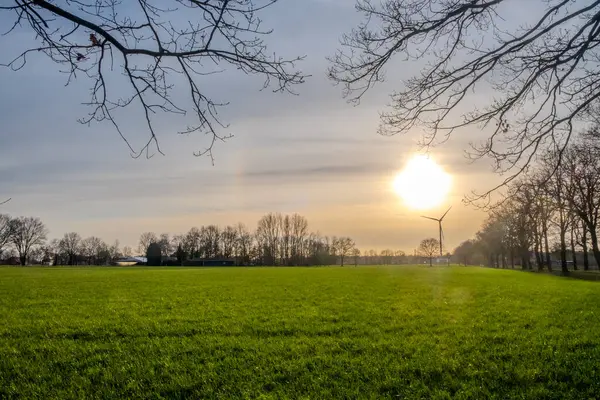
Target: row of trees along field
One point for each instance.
(550, 212)
(278, 240)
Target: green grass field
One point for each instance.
(318, 333)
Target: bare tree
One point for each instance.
(556, 183)
(54, 251)
(166, 245)
(243, 245)
(26, 233)
(228, 241)
(47, 253)
(36, 255)
(342, 247)
(464, 47)
(91, 248)
(429, 248)
(400, 256)
(299, 232)
(373, 256)
(127, 251)
(192, 242)
(114, 251)
(209, 242)
(145, 239)
(465, 253)
(286, 239)
(177, 242)
(386, 256)
(268, 234)
(5, 231)
(70, 244)
(356, 256)
(151, 47)
(584, 246)
(583, 194)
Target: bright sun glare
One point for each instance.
(423, 184)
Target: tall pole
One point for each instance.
(441, 231)
(441, 247)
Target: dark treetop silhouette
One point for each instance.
(153, 45)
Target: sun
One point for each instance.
(423, 184)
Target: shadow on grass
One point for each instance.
(582, 275)
(579, 274)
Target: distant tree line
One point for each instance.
(548, 218)
(278, 240)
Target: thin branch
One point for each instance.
(153, 47)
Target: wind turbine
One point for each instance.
(439, 221)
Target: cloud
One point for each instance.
(325, 171)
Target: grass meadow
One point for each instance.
(299, 333)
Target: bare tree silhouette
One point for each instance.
(428, 248)
(544, 76)
(149, 47)
(26, 234)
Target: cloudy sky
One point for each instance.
(313, 154)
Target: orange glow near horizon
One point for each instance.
(422, 184)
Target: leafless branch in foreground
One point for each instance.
(147, 49)
(540, 80)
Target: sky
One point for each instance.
(312, 154)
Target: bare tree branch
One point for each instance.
(539, 80)
(150, 47)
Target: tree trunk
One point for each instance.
(595, 248)
(563, 244)
(573, 249)
(23, 259)
(563, 255)
(586, 259)
(548, 261)
(537, 245)
(525, 258)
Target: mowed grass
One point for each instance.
(313, 333)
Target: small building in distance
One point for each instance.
(131, 261)
(209, 262)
